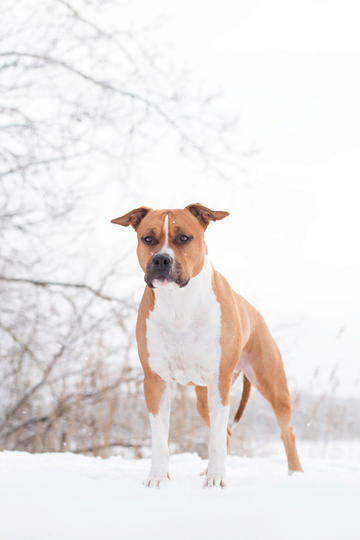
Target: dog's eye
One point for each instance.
(149, 240)
(184, 238)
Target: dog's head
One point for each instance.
(171, 246)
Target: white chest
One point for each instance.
(183, 332)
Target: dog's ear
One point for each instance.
(205, 215)
(132, 218)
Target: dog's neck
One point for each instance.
(181, 304)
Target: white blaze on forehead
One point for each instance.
(165, 248)
(166, 228)
(168, 251)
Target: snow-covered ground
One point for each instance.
(72, 497)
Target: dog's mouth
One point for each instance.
(157, 282)
(171, 279)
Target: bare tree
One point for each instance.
(79, 86)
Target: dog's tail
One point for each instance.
(244, 399)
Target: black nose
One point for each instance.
(162, 261)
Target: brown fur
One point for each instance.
(243, 330)
(191, 257)
(244, 399)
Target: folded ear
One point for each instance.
(132, 218)
(205, 215)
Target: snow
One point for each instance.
(58, 496)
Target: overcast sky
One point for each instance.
(290, 71)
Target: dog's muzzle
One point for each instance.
(162, 268)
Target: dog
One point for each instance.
(193, 329)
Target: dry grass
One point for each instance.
(103, 415)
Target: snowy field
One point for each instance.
(72, 497)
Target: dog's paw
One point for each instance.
(153, 481)
(215, 480)
(296, 472)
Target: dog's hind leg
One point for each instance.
(202, 403)
(203, 409)
(266, 371)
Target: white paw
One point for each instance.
(290, 472)
(153, 481)
(215, 480)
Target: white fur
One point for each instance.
(219, 416)
(244, 365)
(165, 249)
(160, 450)
(183, 331)
(183, 339)
(166, 230)
(157, 283)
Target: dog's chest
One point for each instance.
(183, 337)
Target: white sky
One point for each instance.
(291, 72)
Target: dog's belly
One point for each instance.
(187, 353)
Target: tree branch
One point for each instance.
(44, 283)
(108, 86)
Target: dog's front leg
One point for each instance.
(219, 415)
(157, 395)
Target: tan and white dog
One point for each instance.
(192, 328)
